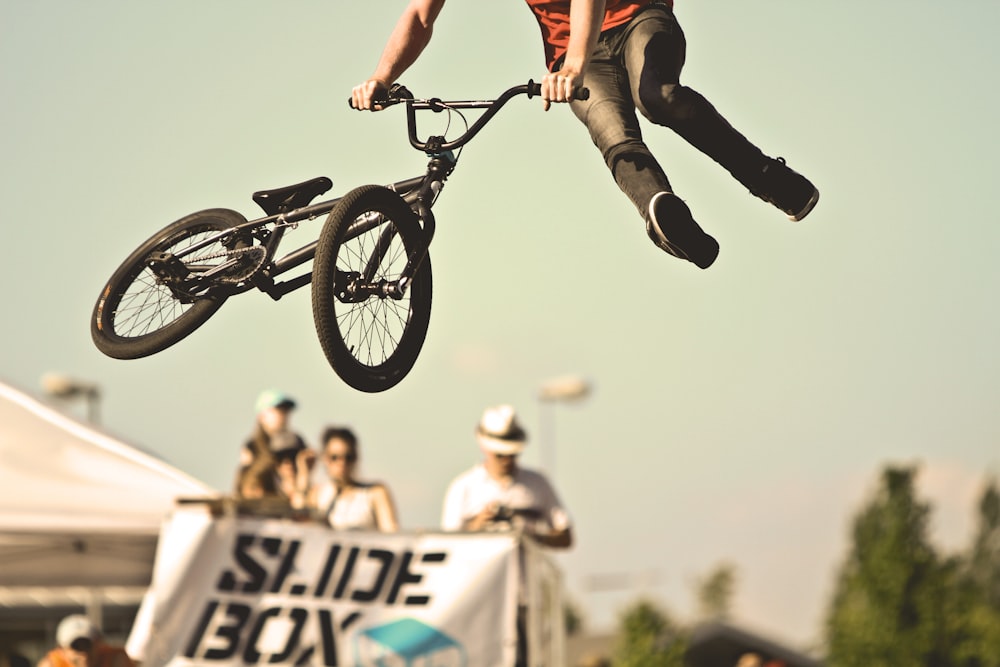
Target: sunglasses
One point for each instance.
(350, 458)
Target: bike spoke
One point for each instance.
(372, 328)
(371, 323)
(147, 305)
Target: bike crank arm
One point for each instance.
(187, 282)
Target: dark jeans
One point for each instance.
(637, 66)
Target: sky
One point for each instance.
(740, 414)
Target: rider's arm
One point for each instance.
(585, 20)
(408, 39)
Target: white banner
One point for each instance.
(248, 591)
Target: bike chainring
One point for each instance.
(245, 263)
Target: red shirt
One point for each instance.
(553, 19)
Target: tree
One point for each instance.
(892, 590)
(648, 638)
(984, 560)
(715, 592)
(976, 597)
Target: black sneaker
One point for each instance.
(671, 227)
(790, 191)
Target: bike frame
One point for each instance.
(419, 193)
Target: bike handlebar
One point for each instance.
(398, 94)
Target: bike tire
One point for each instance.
(372, 344)
(136, 315)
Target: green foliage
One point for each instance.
(976, 586)
(572, 618)
(897, 602)
(983, 569)
(716, 590)
(884, 599)
(648, 638)
(972, 625)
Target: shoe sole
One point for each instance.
(810, 205)
(692, 234)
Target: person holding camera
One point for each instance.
(498, 494)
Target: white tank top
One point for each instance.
(355, 510)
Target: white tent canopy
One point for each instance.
(78, 508)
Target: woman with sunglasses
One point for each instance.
(346, 502)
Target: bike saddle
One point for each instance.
(291, 197)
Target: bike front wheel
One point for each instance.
(138, 314)
(371, 330)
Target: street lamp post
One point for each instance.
(563, 389)
(67, 388)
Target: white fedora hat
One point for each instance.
(73, 627)
(499, 432)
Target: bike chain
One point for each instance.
(242, 270)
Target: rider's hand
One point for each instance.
(559, 86)
(366, 95)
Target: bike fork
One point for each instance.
(397, 289)
(421, 204)
(414, 261)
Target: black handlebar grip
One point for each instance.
(381, 103)
(581, 93)
(397, 93)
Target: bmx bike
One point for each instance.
(371, 272)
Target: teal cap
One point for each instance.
(272, 398)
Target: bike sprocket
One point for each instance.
(247, 262)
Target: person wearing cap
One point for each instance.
(498, 494)
(275, 460)
(81, 644)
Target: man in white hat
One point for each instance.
(498, 494)
(81, 645)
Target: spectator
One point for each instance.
(498, 494)
(80, 644)
(345, 502)
(275, 460)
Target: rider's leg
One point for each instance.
(654, 50)
(609, 115)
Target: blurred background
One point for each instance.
(737, 418)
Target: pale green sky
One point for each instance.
(739, 413)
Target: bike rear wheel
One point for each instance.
(137, 314)
(370, 335)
